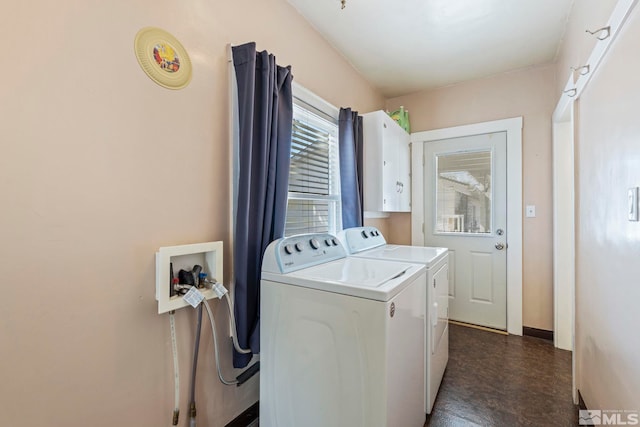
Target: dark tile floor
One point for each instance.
(499, 380)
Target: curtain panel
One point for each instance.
(350, 142)
(265, 111)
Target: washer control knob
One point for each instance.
(298, 247)
(327, 242)
(364, 234)
(334, 241)
(372, 233)
(314, 243)
(288, 249)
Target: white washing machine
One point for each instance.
(368, 242)
(341, 340)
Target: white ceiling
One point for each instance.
(402, 46)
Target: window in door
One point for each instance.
(463, 202)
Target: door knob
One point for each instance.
(499, 246)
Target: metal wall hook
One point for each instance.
(584, 70)
(604, 36)
(571, 92)
(343, 4)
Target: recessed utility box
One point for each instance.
(208, 255)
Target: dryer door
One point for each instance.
(440, 307)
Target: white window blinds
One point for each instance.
(314, 188)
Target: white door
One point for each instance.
(466, 211)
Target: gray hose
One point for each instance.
(192, 395)
(215, 345)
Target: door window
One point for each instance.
(463, 201)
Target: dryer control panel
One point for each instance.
(301, 251)
(358, 239)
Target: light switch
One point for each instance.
(633, 204)
(531, 211)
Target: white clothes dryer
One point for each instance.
(368, 242)
(341, 340)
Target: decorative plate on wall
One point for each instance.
(163, 58)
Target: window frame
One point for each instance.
(311, 102)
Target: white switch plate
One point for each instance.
(633, 204)
(531, 211)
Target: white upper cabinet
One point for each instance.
(387, 163)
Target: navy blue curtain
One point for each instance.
(351, 157)
(265, 114)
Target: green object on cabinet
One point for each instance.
(401, 116)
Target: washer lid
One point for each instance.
(360, 277)
(417, 254)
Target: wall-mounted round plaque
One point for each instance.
(163, 58)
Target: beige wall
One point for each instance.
(608, 245)
(100, 167)
(577, 44)
(381, 224)
(528, 93)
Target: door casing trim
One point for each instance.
(513, 128)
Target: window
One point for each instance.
(313, 204)
(463, 203)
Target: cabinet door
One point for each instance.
(401, 175)
(404, 172)
(386, 164)
(390, 165)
